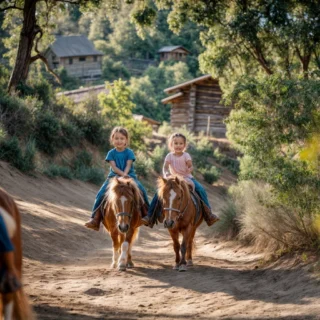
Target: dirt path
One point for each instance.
(67, 272)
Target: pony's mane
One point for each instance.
(123, 187)
(164, 185)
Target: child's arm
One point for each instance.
(166, 169)
(115, 168)
(128, 167)
(189, 165)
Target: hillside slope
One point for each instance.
(67, 270)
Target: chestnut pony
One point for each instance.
(180, 216)
(13, 306)
(122, 219)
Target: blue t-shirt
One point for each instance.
(121, 158)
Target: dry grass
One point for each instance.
(268, 224)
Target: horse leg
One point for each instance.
(176, 247)
(184, 248)
(116, 248)
(190, 247)
(7, 307)
(130, 264)
(122, 263)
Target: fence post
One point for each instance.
(208, 127)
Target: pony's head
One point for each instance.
(123, 197)
(174, 194)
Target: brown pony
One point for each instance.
(13, 306)
(122, 219)
(180, 216)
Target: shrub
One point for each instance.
(268, 223)
(93, 175)
(83, 170)
(71, 135)
(210, 175)
(143, 165)
(29, 155)
(232, 164)
(54, 170)
(228, 226)
(157, 157)
(165, 129)
(11, 152)
(94, 131)
(47, 132)
(15, 116)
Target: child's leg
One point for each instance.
(99, 197)
(201, 192)
(96, 216)
(209, 217)
(144, 192)
(147, 219)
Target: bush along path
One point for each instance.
(66, 280)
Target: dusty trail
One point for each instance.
(67, 270)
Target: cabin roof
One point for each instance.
(141, 117)
(74, 46)
(174, 96)
(188, 83)
(172, 48)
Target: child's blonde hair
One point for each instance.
(176, 135)
(121, 130)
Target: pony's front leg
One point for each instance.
(190, 247)
(7, 309)
(185, 246)
(116, 248)
(122, 263)
(176, 246)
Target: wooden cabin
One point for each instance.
(77, 55)
(196, 104)
(177, 53)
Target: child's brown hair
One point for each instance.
(121, 130)
(176, 135)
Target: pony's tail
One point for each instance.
(21, 307)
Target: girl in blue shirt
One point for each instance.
(121, 161)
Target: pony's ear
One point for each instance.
(164, 180)
(177, 180)
(117, 180)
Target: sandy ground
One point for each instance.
(67, 274)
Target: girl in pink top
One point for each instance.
(179, 162)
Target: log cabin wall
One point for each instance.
(208, 97)
(179, 114)
(200, 100)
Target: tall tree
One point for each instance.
(36, 17)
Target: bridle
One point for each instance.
(126, 214)
(181, 213)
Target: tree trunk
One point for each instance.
(26, 42)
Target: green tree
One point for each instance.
(35, 18)
(117, 108)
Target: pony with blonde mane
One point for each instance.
(14, 305)
(122, 219)
(180, 217)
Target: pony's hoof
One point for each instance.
(122, 267)
(113, 265)
(130, 265)
(183, 268)
(190, 263)
(176, 267)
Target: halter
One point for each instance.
(181, 213)
(126, 214)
